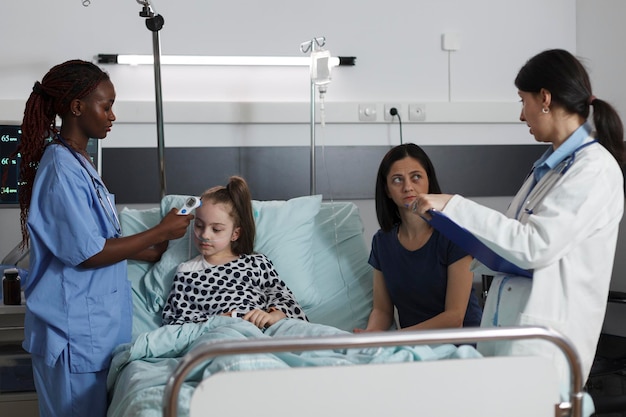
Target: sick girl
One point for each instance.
(228, 278)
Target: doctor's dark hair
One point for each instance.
(237, 196)
(567, 80)
(386, 210)
(71, 80)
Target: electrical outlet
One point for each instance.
(417, 112)
(388, 107)
(367, 112)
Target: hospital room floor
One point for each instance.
(607, 383)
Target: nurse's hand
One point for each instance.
(174, 225)
(153, 253)
(148, 245)
(425, 202)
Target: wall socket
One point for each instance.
(388, 107)
(367, 112)
(417, 112)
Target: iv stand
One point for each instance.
(305, 47)
(154, 22)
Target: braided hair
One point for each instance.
(71, 80)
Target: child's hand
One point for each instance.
(263, 319)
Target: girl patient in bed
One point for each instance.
(227, 278)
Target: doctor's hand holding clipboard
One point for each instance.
(472, 244)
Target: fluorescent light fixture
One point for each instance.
(219, 60)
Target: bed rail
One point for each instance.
(572, 408)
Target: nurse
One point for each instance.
(563, 222)
(78, 298)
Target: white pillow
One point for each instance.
(284, 233)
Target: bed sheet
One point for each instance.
(140, 370)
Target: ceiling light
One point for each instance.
(219, 60)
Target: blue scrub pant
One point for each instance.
(64, 394)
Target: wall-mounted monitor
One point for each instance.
(10, 135)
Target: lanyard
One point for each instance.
(110, 212)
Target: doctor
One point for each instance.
(563, 222)
(78, 299)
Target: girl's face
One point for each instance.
(214, 231)
(406, 179)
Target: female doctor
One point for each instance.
(78, 298)
(563, 222)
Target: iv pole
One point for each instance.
(154, 22)
(305, 47)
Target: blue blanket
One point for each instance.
(139, 371)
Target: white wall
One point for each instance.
(397, 45)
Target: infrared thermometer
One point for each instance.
(190, 204)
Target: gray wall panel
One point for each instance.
(482, 171)
(274, 173)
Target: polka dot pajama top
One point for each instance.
(201, 290)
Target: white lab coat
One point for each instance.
(566, 232)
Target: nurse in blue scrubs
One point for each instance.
(78, 297)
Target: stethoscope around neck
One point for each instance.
(561, 169)
(572, 157)
(110, 212)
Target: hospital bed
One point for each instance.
(319, 250)
(522, 386)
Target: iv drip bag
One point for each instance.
(320, 67)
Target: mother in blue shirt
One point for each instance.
(417, 270)
(78, 298)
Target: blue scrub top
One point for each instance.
(87, 309)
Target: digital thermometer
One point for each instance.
(190, 204)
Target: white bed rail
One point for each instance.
(572, 408)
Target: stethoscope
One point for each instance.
(110, 212)
(561, 169)
(567, 163)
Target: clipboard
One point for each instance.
(473, 246)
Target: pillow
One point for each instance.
(344, 278)
(135, 221)
(284, 234)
